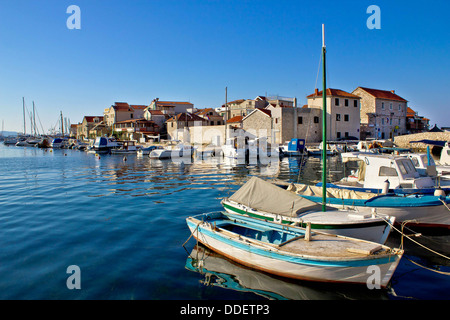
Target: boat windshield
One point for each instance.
(406, 167)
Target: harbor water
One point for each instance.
(122, 223)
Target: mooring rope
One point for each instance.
(445, 204)
(409, 238)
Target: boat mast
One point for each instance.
(34, 120)
(324, 124)
(24, 126)
(62, 124)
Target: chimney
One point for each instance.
(393, 91)
(316, 92)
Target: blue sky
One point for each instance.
(135, 51)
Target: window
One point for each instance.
(346, 134)
(346, 117)
(338, 117)
(336, 101)
(346, 102)
(131, 115)
(338, 135)
(390, 106)
(355, 103)
(387, 172)
(399, 107)
(316, 119)
(382, 121)
(382, 105)
(300, 120)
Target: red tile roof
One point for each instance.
(182, 117)
(384, 94)
(138, 106)
(334, 92)
(156, 112)
(91, 118)
(267, 112)
(235, 119)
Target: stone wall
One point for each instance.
(403, 141)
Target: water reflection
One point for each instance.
(219, 271)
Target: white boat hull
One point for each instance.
(360, 226)
(302, 268)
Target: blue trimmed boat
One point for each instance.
(375, 170)
(260, 199)
(294, 252)
(424, 210)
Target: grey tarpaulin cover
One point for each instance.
(264, 196)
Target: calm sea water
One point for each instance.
(123, 224)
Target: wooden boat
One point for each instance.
(295, 252)
(263, 200)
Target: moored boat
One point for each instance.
(127, 147)
(425, 210)
(263, 200)
(375, 170)
(293, 252)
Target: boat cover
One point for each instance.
(340, 193)
(265, 196)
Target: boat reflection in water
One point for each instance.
(222, 272)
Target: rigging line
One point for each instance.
(409, 238)
(318, 70)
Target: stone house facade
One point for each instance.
(343, 112)
(171, 107)
(281, 124)
(178, 126)
(383, 113)
(88, 123)
(122, 111)
(212, 116)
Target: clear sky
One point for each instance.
(181, 50)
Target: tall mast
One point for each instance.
(324, 124)
(24, 126)
(34, 120)
(62, 125)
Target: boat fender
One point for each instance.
(438, 192)
(385, 187)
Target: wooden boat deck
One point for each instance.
(330, 246)
(320, 244)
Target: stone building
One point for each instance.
(122, 111)
(85, 127)
(171, 107)
(212, 116)
(243, 107)
(343, 112)
(281, 124)
(383, 113)
(179, 125)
